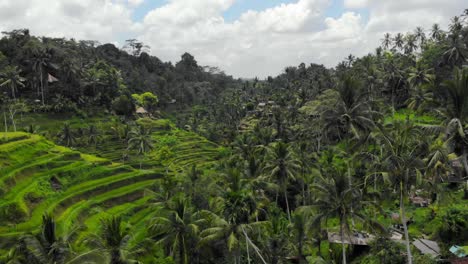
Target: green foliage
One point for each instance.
(454, 229)
(122, 105)
(385, 251)
(148, 100)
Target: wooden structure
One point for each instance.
(428, 247)
(356, 238)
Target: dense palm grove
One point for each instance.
(307, 153)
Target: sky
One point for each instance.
(244, 38)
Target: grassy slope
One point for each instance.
(90, 187)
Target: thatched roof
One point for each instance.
(427, 247)
(141, 110)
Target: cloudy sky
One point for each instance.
(245, 38)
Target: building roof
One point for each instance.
(460, 252)
(356, 238)
(51, 78)
(141, 110)
(427, 247)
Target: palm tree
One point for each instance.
(299, 228)
(419, 75)
(399, 41)
(93, 135)
(113, 241)
(231, 225)
(410, 45)
(351, 115)
(140, 139)
(402, 163)
(282, 166)
(276, 234)
(420, 36)
(455, 26)
(436, 32)
(11, 77)
(177, 228)
(66, 135)
(45, 247)
(335, 199)
(456, 51)
(437, 168)
(41, 61)
(387, 40)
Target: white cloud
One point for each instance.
(102, 20)
(257, 43)
(355, 4)
(135, 3)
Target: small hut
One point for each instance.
(142, 112)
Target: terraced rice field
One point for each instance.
(37, 177)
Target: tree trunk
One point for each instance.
(350, 184)
(405, 227)
(42, 88)
(343, 248)
(12, 118)
(287, 203)
(303, 191)
(247, 249)
(181, 253)
(6, 124)
(465, 165)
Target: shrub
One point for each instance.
(123, 105)
(454, 228)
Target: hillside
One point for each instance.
(79, 189)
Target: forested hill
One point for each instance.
(86, 73)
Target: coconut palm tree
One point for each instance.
(456, 52)
(402, 163)
(113, 242)
(436, 32)
(93, 135)
(410, 44)
(420, 36)
(419, 75)
(335, 199)
(141, 141)
(177, 227)
(46, 247)
(387, 40)
(40, 62)
(10, 77)
(398, 41)
(66, 135)
(351, 116)
(281, 167)
(231, 224)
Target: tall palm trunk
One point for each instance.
(5, 119)
(405, 227)
(247, 248)
(343, 248)
(350, 185)
(465, 165)
(42, 87)
(287, 203)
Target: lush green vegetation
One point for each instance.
(109, 156)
